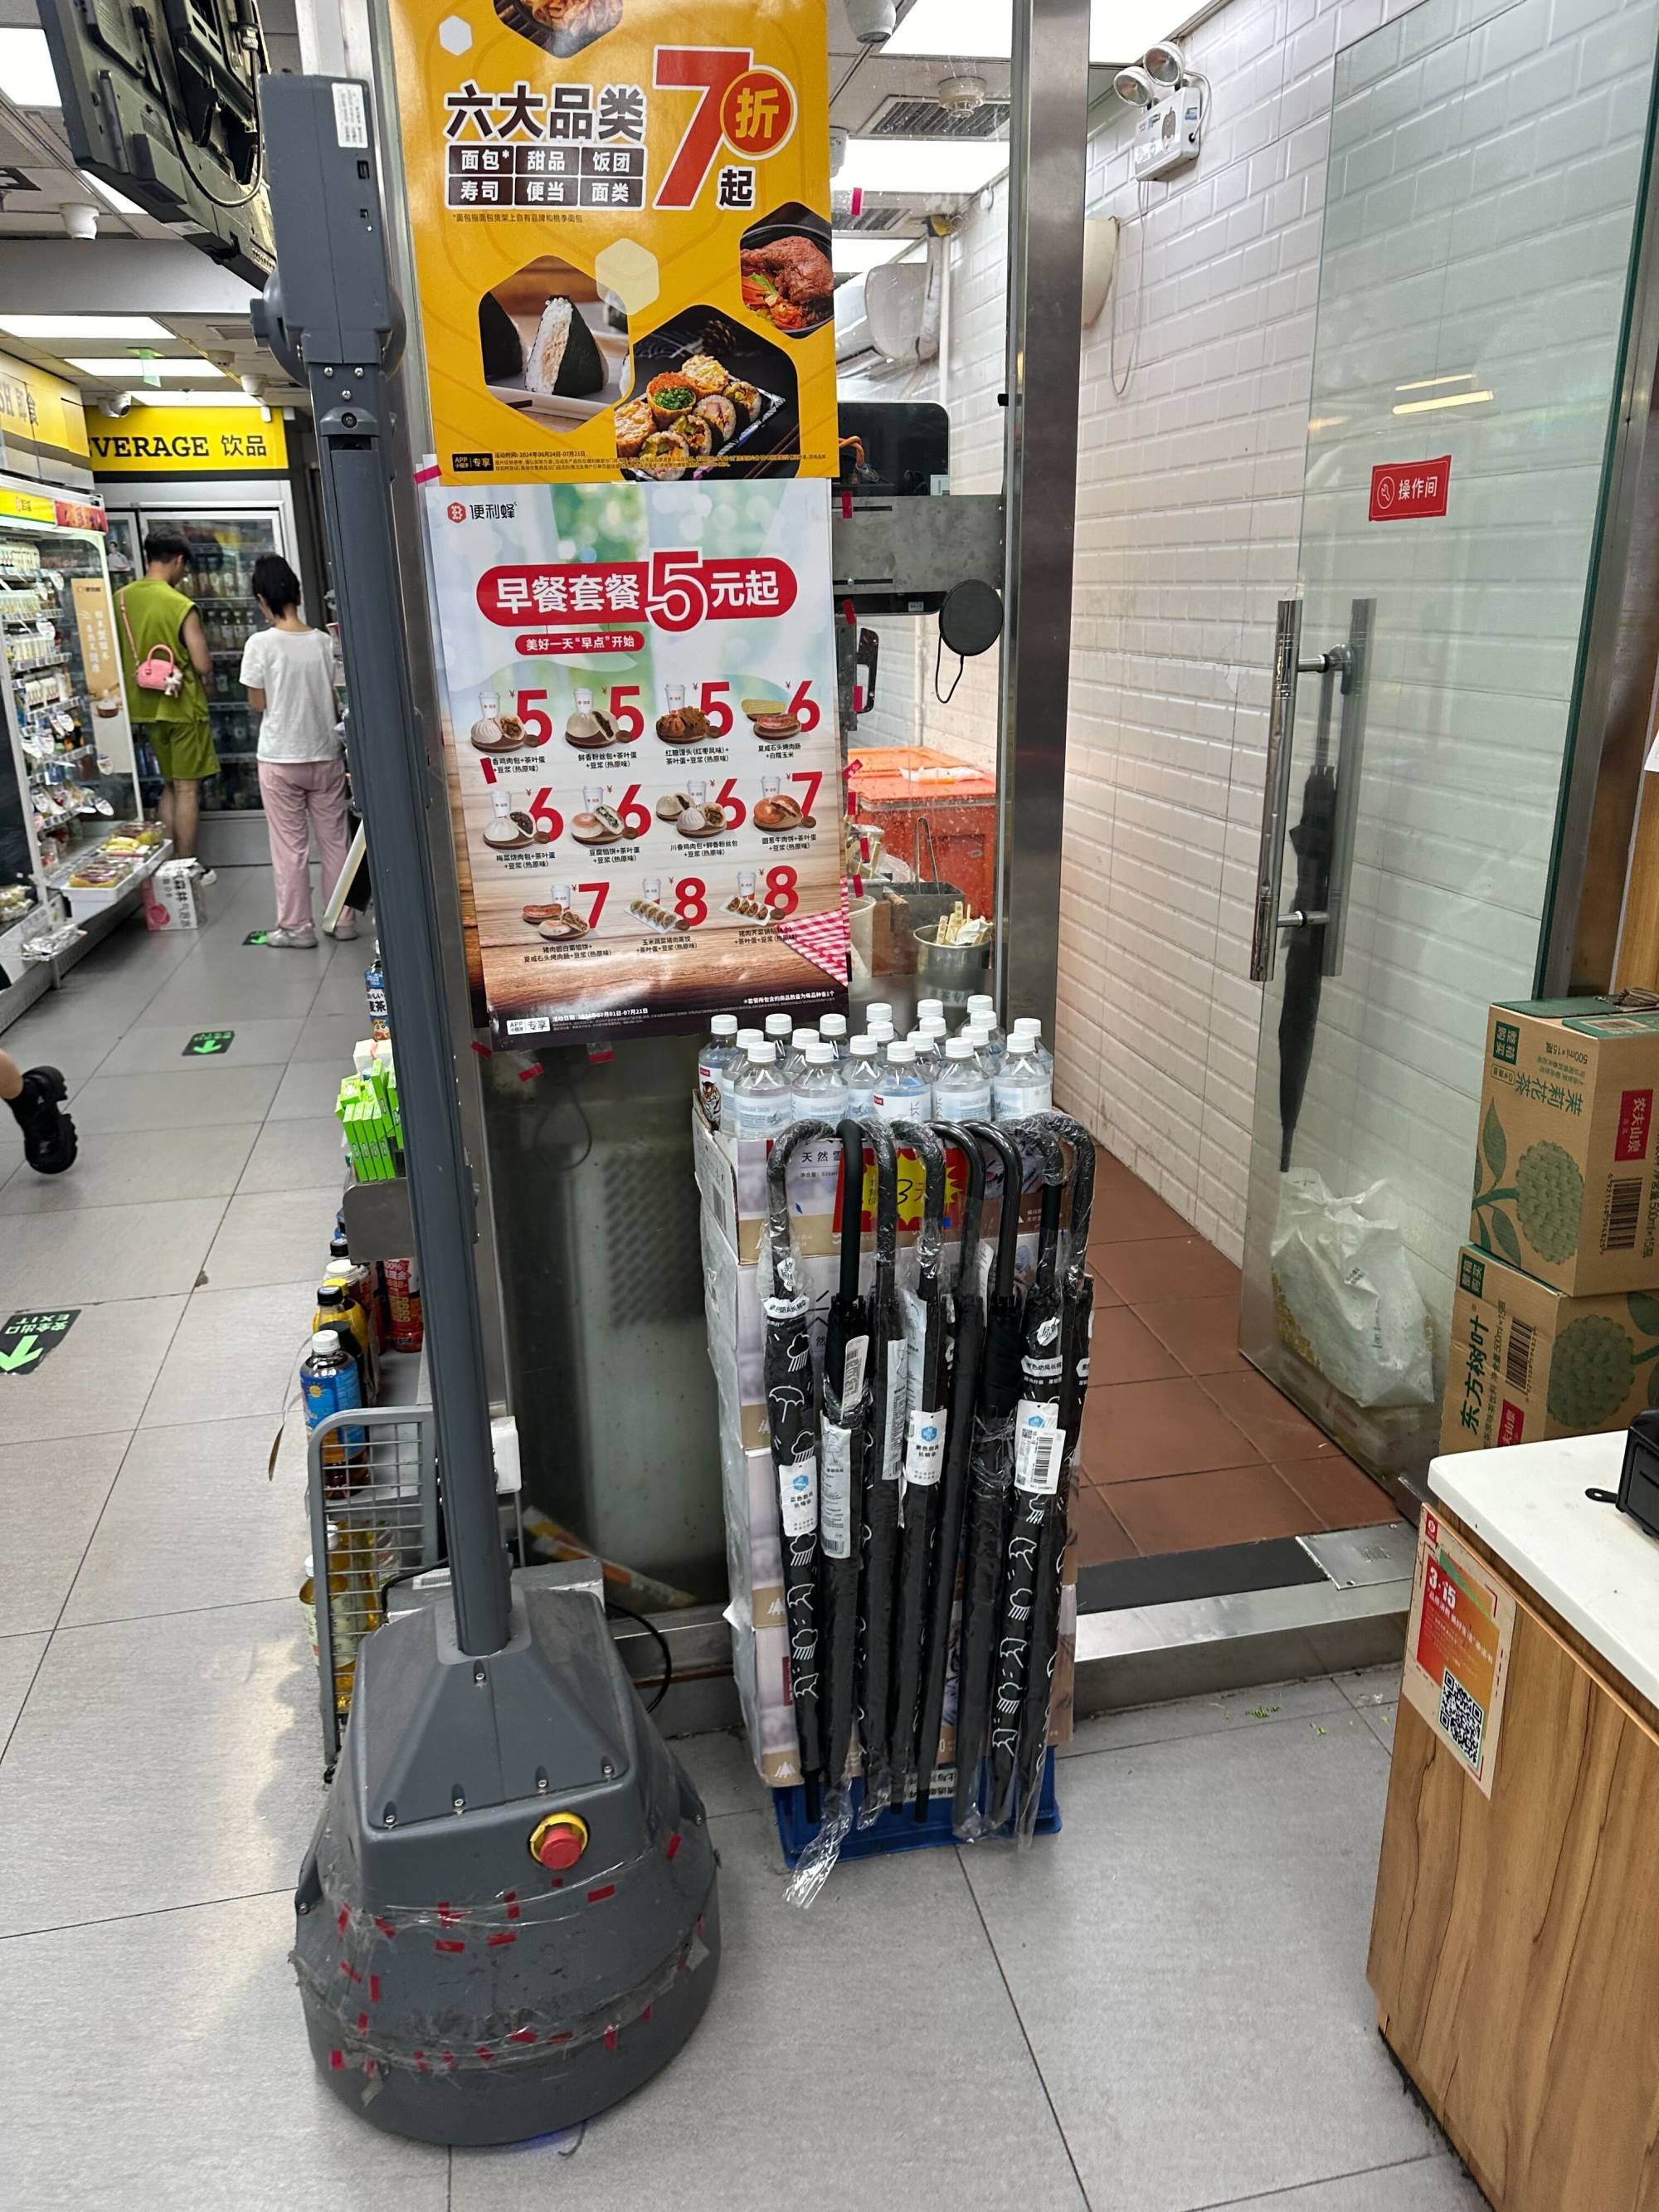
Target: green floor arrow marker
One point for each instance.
(23, 1353)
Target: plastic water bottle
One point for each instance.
(988, 1048)
(862, 1075)
(714, 1056)
(881, 1033)
(905, 1094)
(732, 1069)
(929, 1058)
(1021, 1085)
(1030, 1029)
(820, 1089)
(761, 1100)
(832, 1027)
(983, 1004)
(962, 1092)
(780, 1028)
(877, 1012)
(794, 1060)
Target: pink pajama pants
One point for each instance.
(300, 797)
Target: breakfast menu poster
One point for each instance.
(641, 732)
(620, 221)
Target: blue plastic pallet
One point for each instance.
(896, 1829)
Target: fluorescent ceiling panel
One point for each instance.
(26, 75)
(120, 366)
(927, 167)
(982, 30)
(82, 327)
(221, 397)
(855, 254)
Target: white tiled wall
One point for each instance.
(1190, 506)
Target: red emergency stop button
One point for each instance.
(559, 1841)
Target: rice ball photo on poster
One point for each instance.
(553, 344)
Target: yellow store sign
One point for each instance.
(186, 441)
(621, 212)
(41, 416)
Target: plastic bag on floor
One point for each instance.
(1344, 1296)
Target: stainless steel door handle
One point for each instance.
(1350, 748)
(1281, 727)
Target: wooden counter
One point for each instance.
(1515, 1943)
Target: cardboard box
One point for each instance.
(1564, 1185)
(1527, 1362)
(173, 899)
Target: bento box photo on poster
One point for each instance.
(642, 748)
(621, 237)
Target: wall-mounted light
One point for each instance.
(1136, 86)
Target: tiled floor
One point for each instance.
(1162, 2009)
(1184, 1446)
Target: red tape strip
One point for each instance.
(508, 1936)
(442, 1946)
(674, 1842)
(608, 1889)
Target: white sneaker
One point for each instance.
(203, 876)
(343, 933)
(292, 940)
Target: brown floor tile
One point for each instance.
(1224, 1505)
(1343, 1495)
(1202, 1332)
(1125, 1208)
(1124, 1350)
(1101, 1536)
(1133, 1431)
(1278, 1430)
(1165, 1268)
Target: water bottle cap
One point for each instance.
(900, 1051)
(879, 1011)
(983, 1002)
(862, 1046)
(1027, 1025)
(801, 1038)
(931, 1025)
(819, 1054)
(833, 1025)
(747, 1038)
(959, 1049)
(724, 1025)
(882, 1032)
(778, 1025)
(326, 1341)
(927, 1009)
(763, 1054)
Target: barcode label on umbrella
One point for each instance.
(858, 1356)
(898, 1397)
(924, 1449)
(1039, 1446)
(797, 1496)
(835, 1492)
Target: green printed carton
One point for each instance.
(1564, 1181)
(1528, 1362)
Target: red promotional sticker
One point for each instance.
(1407, 491)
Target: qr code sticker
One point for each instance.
(1462, 1718)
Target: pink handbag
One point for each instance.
(158, 670)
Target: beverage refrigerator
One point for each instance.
(227, 528)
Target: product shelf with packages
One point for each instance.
(901, 1381)
(74, 825)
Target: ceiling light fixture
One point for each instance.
(929, 166)
(26, 69)
(41, 327)
(122, 366)
(223, 397)
(1425, 383)
(982, 30)
(1446, 399)
(856, 253)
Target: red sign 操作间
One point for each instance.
(1407, 491)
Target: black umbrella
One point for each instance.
(1311, 841)
(885, 1469)
(842, 1440)
(990, 1472)
(1077, 1313)
(924, 1451)
(791, 1420)
(967, 1338)
(1038, 1450)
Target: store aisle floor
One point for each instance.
(1164, 2007)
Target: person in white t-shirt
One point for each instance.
(288, 674)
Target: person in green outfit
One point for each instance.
(154, 613)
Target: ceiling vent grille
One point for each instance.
(907, 116)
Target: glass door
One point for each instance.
(1486, 168)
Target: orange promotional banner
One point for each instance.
(1457, 1647)
(621, 221)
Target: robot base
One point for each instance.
(458, 1990)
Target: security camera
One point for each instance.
(80, 220)
(871, 21)
(251, 386)
(837, 149)
(117, 402)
